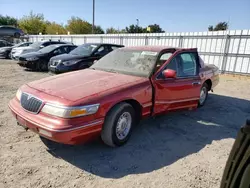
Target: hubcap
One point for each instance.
(123, 125)
(203, 95)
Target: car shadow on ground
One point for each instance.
(160, 141)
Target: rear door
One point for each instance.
(182, 91)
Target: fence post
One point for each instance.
(101, 39)
(85, 39)
(180, 42)
(225, 54)
(238, 50)
(146, 40)
(121, 40)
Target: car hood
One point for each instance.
(68, 57)
(92, 83)
(6, 48)
(32, 54)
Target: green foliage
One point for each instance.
(78, 26)
(55, 29)
(112, 30)
(155, 28)
(135, 29)
(221, 26)
(98, 30)
(7, 20)
(33, 24)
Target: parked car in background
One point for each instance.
(5, 52)
(4, 43)
(9, 31)
(114, 94)
(80, 58)
(16, 52)
(39, 60)
(237, 170)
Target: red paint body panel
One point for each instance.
(89, 86)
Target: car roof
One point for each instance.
(59, 45)
(156, 48)
(105, 44)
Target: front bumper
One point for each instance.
(60, 131)
(28, 64)
(60, 68)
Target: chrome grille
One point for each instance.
(30, 103)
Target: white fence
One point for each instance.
(229, 50)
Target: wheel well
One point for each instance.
(209, 83)
(138, 108)
(136, 105)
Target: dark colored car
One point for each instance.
(5, 51)
(237, 170)
(80, 58)
(9, 31)
(17, 52)
(39, 60)
(4, 43)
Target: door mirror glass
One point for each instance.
(169, 73)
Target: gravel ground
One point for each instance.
(183, 149)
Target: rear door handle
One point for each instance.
(196, 83)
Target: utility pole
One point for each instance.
(93, 22)
(137, 23)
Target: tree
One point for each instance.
(7, 20)
(33, 23)
(112, 30)
(155, 28)
(98, 30)
(134, 29)
(78, 26)
(54, 28)
(221, 26)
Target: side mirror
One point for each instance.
(41, 46)
(169, 73)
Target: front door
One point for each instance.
(182, 91)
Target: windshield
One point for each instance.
(36, 45)
(48, 49)
(128, 61)
(85, 49)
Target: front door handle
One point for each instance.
(196, 83)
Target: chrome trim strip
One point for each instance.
(72, 107)
(146, 105)
(54, 130)
(176, 101)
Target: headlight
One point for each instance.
(32, 59)
(18, 94)
(70, 112)
(68, 63)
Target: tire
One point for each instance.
(17, 35)
(83, 66)
(120, 112)
(203, 98)
(42, 66)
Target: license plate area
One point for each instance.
(21, 122)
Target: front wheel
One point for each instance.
(118, 125)
(203, 95)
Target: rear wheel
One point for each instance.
(203, 95)
(42, 66)
(118, 125)
(17, 35)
